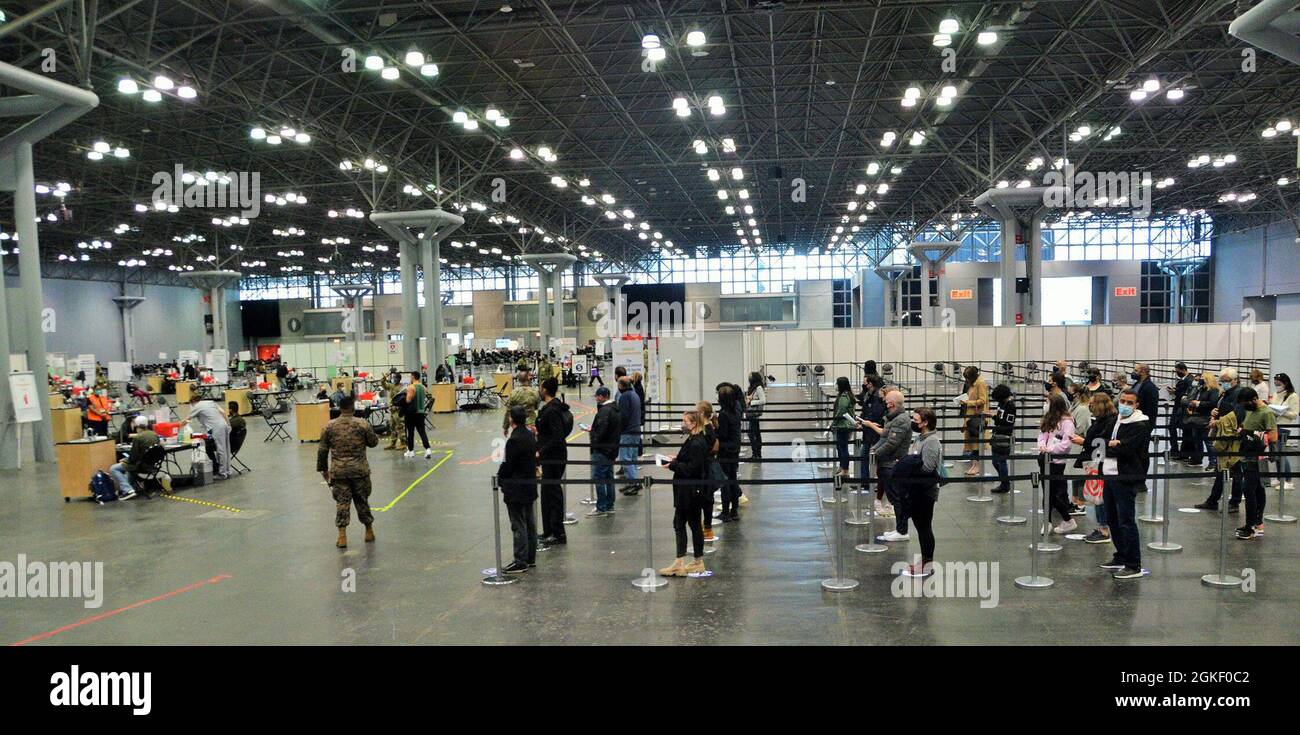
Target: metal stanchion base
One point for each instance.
(839, 585)
(1280, 518)
(1075, 536)
(855, 520)
(1220, 580)
(831, 500)
(1046, 546)
(1169, 546)
(1011, 520)
(980, 498)
(1151, 519)
(1189, 510)
(870, 548)
(1034, 583)
(651, 581)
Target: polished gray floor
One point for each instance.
(184, 573)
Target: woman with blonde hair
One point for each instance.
(1204, 399)
(1260, 384)
(713, 468)
(974, 405)
(689, 468)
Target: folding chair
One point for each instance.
(276, 427)
(151, 467)
(237, 437)
(428, 413)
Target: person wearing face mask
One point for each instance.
(895, 436)
(1180, 389)
(973, 407)
(1227, 447)
(1147, 392)
(923, 488)
(1093, 453)
(1260, 384)
(843, 422)
(1094, 384)
(1258, 433)
(1055, 432)
(604, 450)
(1128, 447)
(1288, 411)
(1196, 425)
(1062, 368)
(98, 409)
(1081, 414)
(1002, 440)
(688, 468)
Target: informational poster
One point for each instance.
(504, 344)
(342, 355)
(86, 364)
(629, 354)
(27, 407)
(219, 359)
(162, 356)
(392, 348)
(56, 364)
(18, 363)
(580, 365)
(245, 355)
(653, 371)
(190, 356)
(119, 372)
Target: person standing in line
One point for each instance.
(554, 424)
(525, 396)
(1093, 444)
(895, 437)
(712, 469)
(729, 399)
(213, 422)
(923, 489)
(688, 468)
(872, 411)
(1062, 368)
(1204, 397)
(341, 460)
(604, 450)
(843, 422)
(1260, 384)
(1148, 393)
(629, 439)
(1284, 395)
(1055, 432)
(1002, 440)
(1227, 453)
(1180, 388)
(1081, 415)
(517, 477)
(98, 410)
(1129, 447)
(1258, 433)
(417, 402)
(973, 408)
(755, 400)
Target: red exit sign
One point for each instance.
(1125, 291)
(960, 294)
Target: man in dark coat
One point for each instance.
(518, 479)
(554, 423)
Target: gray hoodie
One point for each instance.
(895, 438)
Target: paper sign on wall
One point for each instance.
(629, 354)
(162, 356)
(190, 356)
(27, 407)
(119, 372)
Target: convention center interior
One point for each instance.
(650, 323)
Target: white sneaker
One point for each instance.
(127, 496)
(892, 536)
(409, 454)
(1274, 482)
(428, 453)
(593, 513)
(1066, 526)
(1288, 485)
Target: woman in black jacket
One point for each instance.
(689, 468)
(1204, 399)
(1002, 443)
(729, 402)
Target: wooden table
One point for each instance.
(183, 390)
(155, 383)
(79, 460)
(311, 419)
(444, 397)
(56, 400)
(65, 423)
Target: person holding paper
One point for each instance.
(844, 422)
(1286, 404)
(973, 408)
(688, 468)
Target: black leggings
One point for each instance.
(755, 439)
(731, 488)
(1058, 496)
(921, 506)
(414, 423)
(688, 516)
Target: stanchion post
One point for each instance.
(1222, 579)
(494, 577)
(570, 519)
(981, 494)
(649, 578)
(1151, 516)
(871, 547)
(1011, 519)
(839, 583)
(1281, 515)
(1041, 506)
(1034, 581)
(1164, 544)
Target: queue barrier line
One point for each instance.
(409, 488)
(196, 501)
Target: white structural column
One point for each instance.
(549, 268)
(434, 225)
(1021, 210)
(613, 283)
(410, 307)
(214, 284)
(127, 304)
(892, 275)
(932, 256)
(29, 287)
(355, 296)
(1033, 301)
(8, 431)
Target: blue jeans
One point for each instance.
(119, 473)
(1121, 511)
(1000, 466)
(842, 447)
(627, 453)
(602, 472)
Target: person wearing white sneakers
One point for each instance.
(895, 436)
(1055, 431)
(922, 488)
(417, 396)
(1286, 404)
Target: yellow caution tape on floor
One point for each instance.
(183, 499)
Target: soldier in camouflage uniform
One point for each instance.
(524, 395)
(347, 471)
(396, 422)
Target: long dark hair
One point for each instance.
(971, 374)
(1285, 380)
(1057, 410)
(842, 385)
(755, 380)
(727, 397)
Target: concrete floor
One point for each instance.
(195, 574)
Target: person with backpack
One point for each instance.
(554, 425)
(416, 401)
(918, 476)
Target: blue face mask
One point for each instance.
(1125, 410)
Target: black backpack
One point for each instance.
(399, 402)
(566, 416)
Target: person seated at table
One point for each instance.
(141, 441)
(323, 394)
(236, 421)
(139, 393)
(129, 428)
